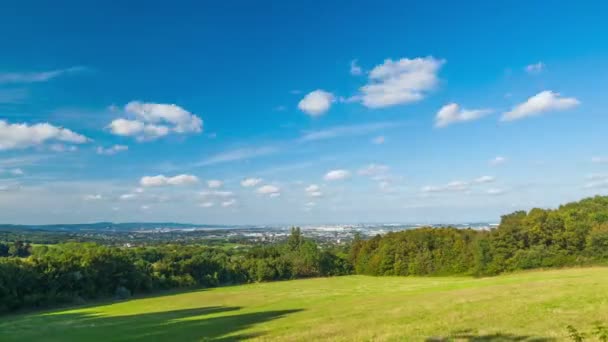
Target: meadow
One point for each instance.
(524, 306)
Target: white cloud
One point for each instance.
(450, 187)
(535, 68)
(379, 140)
(355, 69)
(161, 180)
(316, 102)
(374, 170)
(149, 121)
(214, 184)
(495, 192)
(144, 207)
(35, 77)
(19, 136)
(498, 161)
(62, 148)
(126, 197)
(95, 197)
(335, 175)
(345, 131)
(268, 190)
(250, 182)
(207, 204)
(112, 150)
(484, 179)
(457, 186)
(229, 203)
(216, 193)
(13, 172)
(399, 82)
(313, 190)
(452, 113)
(542, 102)
(274, 194)
(238, 154)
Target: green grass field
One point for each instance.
(528, 306)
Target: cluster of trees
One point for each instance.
(75, 272)
(573, 234)
(15, 249)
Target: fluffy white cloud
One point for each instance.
(499, 160)
(452, 113)
(484, 179)
(161, 180)
(355, 69)
(399, 82)
(268, 190)
(335, 175)
(207, 204)
(313, 190)
(542, 102)
(535, 68)
(316, 102)
(112, 150)
(149, 121)
(19, 136)
(94, 197)
(250, 182)
(214, 183)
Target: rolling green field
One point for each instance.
(528, 306)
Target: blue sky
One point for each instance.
(299, 112)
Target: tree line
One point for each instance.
(75, 272)
(573, 234)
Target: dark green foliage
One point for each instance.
(75, 272)
(574, 234)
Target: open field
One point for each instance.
(537, 305)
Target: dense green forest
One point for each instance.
(573, 234)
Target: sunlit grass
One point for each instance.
(538, 304)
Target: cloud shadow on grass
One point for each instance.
(217, 323)
(469, 336)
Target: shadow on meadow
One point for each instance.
(469, 336)
(179, 325)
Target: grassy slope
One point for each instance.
(538, 304)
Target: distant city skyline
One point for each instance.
(285, 112)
